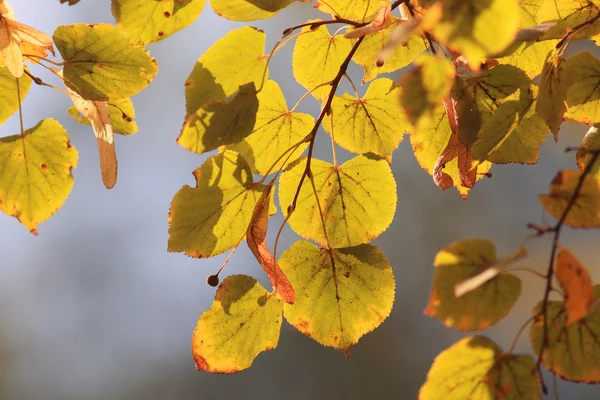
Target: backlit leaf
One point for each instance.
(317, 58)
(574, 350)
(585, 212)
(101, 63)
(9, 99)
(479, 308)
(478, 29)
(243, 321)
(476, 368)
(551, 100)
(121, 114)
(590, 142)
(220, 123)
(342, 294)
(213, 217)
(583, 93)
(355, 10)
(569, 14)
(358, 200)
(276, 130)
(249, 10)
(529, 56)
(577, 285)
(232, 61)
(152, 21)
(371, 124)
(36, 178)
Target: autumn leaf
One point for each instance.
(577, 285)
(256, 237)
(551, 100)
(381, 21)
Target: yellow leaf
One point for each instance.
(577, 285)
(551, 100)
(355, 10)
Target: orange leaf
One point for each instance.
(577, 284)
(256, 237)
(382, 20)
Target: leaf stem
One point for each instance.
(521, 330)
(20, 108)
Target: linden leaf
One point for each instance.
(257, 242)
(578, 18)
(480, 308)
(121, 114)
(372, 124)
(342, 294)
(528, 56)
(9, 99)
(243, 321)
(275, 131)
(583, 94)
(36, 177)
(101, 63)
(573, 351)
(577, 285)
(232, 61)
(514, 133)
(477, 29)
(585, 212)
(317, 58)
(152, 21)
(425, 87)
(551, 100)
(476, 368)
(381, 21)
(355, 10)
(590, 142)
(249, 10)
(220, 123)
(367, 54)
(213, 217)
(357, 199)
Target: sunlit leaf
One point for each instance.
(121, 114)
(355, 10)
(529, 56)
(590, 143)
(371, 124)
(480, 308)
(573, 351)
(152, 21)
(213, 217)
(36, 178)
(357, 199)
(243, 321)
(551, 100)
(342, 294)
(317, 58)
(585, 212)
(249, 10)
(583, 93)
(577, 285)
(379, 22)
(9, 99)
(275, 131)
(232, 61)
(476, 368)
(101, 63)
(569, 14)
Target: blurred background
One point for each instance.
(95, 308)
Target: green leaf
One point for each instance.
(36, 178)
(243, 321)
(101, 63)
(249, 10)
(369, 49)
(481, 308)
(590, 142)
(121, 114)
(355, 10)
(478, 29)
(152, 21)
(551, 100)
(425, 87)
(232, 61)
(582, 72)
(371, 124)
(476, 368)
(358, 200)
(573, 351)
(275, 131)
(9, 99)
(213, 217)
(569, 14)
(221, 122)
(341, 295)
(514, 133)
(585, 212)
(317, 58)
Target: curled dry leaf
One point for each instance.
(256, 237)
(577, 284)
(382, 20)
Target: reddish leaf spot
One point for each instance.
(100, 66)
(161, 33)
(167, 14)
(34, 231)
(43, 166)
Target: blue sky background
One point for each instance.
(95, 308)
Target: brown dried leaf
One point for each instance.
(577, 284)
